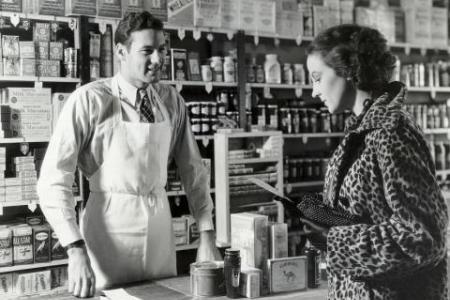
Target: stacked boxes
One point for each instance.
(27, 176)
(185, 230)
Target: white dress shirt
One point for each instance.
(73, 143)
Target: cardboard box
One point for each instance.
(109, 8)
(56, 51)
(12, 181)
(418, 21)
(179, 64)
(11, 66)
(288, 274)
(27, 49)
(158, 8)
(41, 32)
(22, 284)
(207, 13)
(6, 284)
(6, 248)
(265, 16)
(289, 19)
(230, 14)
(249, 234)
(41, 281)
(23, 244)
(11, 5)
(27, 67)
(194, 66)
(81, 7)
(51, 7)
(278, 238)
(57, 250)
(42, 50)
(41, 241)
(48, 68)
(132, 6)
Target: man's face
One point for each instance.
(142, 60)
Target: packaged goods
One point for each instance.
(6, 284)
(180, 13)
(249, 234)
(41, 32)
(56, 51)
(289, 18)
(51, 7)
(22, 284)
(250, 282)
(288, 274)
(278, 238)
(27, 49)
(41, 240)
(179, 64)
(265, 16)
(230, 14)
(207, 279)
(11, 66)
(247, 13)
(109, 8)
(272, 69)
(206, 13)
(23, 244)
(27, 67)
(81, 7)
(57, 251)
(6, 247)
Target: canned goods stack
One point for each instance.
(71, 62)
(433, 74)
(430, 116)
(304, 169)
(203, 115)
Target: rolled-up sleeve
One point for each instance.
(194, 175)
(58, 168)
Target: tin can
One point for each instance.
(317, 168)
(313, 257)
(231, 270)
(304, 120)
(205, 112)
(207, 279)
(212, 109)
(301, 172)
(71, 55)
(288, 76)
(196, 125)
(260, 78)
(293, 175)
(272, 111)
(195, 109)
(313, 120)
(71, 70)
(325, 121)
(285, 120)
(214, 125)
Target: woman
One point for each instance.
(382, 171)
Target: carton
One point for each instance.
(6, 247)
(288, 274)
(41, 281)
(56, 51)
(23, 244)
(94, 45)
(278, 238)
(27, 67)
(41, 32)
(57, 250)
(249, 234)
(230, 14)
(27, 49)
(265, 16)
(250, 282)
(109, 8)
(81, 7)
(41, 241)
(11, 66)
(179, 64)
(42, 49)
(439, 26)
(6, 284)
(22, 284)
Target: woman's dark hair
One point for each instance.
(135, 21)
(357, 53)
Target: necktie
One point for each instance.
(146, 107)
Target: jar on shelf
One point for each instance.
(196, 125)
(272, 69)
(194, 109)
(205, 123)
(295, 120)
(299, 74)
(206, 73)
(272, 112)
(212, 109)
(205, 109)
(288, 77)
(217, 68)
(214, 125)
(260, 77)
(228, 69)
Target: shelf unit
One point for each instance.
(226, 203)
(54, 263)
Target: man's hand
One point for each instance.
(207, 250)
(81, 276)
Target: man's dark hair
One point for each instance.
(135, 21)
(357, 53)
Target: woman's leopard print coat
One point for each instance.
(388, 177)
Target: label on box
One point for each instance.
(288, 274)
(57, 250)
(52, 7)
(41, 32)
(11, 66)
(27, 49)
(41, 50)
(11, 5)
(56, 51)
(23, 245)
(109, 8)
(27, 67)
(81, 7)
(179, 61)
(41, 239)
(6, 248)
(248, 15)
(289, 19)
(230, 14)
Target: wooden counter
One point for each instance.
(177, 288)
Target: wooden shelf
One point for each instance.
(314, 135)
(202, 137)
(40, 79)
(169, 26)
(60, 262)
(22, 140)
(253, 161)
(183, 193)
(304, 184)
(279, 86)
(37, 16)
(251, 134)
(200, 83)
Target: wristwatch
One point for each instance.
(76, 244)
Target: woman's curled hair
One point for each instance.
(357, 53)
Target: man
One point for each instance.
(121, 133)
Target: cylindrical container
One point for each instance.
(286, 169)
(251, 73)
(231, 271)
(272, 111)
(206, 73)
(205, 109)
(217, 68)
(288, 76)
(71, 55)
(313, 258)
(304, 120)
(284, 119)
(313, 120)
(272, 69)
(293, 175)
(71, 70)
(195, 109)
(325, 121)
(196, 125)
(299, 74)
(213, 109)
(207, 279)
(206, 129)
(228, 69)
(260, 78)
(296, 120)
(301, 169)
(261, 115)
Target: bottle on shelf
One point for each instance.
(272, 69)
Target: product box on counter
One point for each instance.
(288, 274)
(81, 7)
(109, 8)
(278, 239)
(6, 286)
(249, 234)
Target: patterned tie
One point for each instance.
(146, 111)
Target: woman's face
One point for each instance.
(334, 91)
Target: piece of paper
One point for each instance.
(119, 294)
